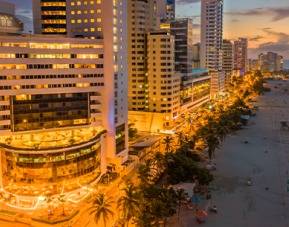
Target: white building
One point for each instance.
(217, 83)
(58, 96)
(211, 34)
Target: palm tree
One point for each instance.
(181, 196)
(129, 202)
(157, 209)
(222, 131)
(158, 158)
(143, 173)
(167, 142)
(213, 143)
(62, 199)
(101, 207)
(169, 202)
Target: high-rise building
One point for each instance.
(63, 101)
(249, 65)
(211, 34)
(49, 17)
(279, 63)
(271, 62)
(240, 53)
(196, 51)
(255, 65)
(166, 9)
(196, 55)
(141, 16)
(227, 61)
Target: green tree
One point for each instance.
(181, 196)
(157, 210)
(205, 177)
(129, 202)
(102, 208)
(213, 143)
(158, 159)
(132, 132)
(168, 198)
(168, 142)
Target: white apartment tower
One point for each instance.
(211, 34)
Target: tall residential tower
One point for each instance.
(240, 54)
(211, 34)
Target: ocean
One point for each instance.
(286, 64)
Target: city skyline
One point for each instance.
(262, 38)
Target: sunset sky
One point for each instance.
(264, 22)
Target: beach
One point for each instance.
(265, 159)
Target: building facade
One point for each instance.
(227, 61)
(255, 65)
(166, 9)
(240, 54)
(270, 62)
(217, 83)
(211, 34)
(63, 105)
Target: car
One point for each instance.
(275, 87)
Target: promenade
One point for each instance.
(265, 159)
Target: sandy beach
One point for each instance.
(265, 159)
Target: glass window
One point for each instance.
(98, 10)
(86, 29)
(91, 2)
(78, 11)
(92, 29)
(78, 3)
(99, 29)
(72, 3)
(98, 19)
(92, 20)
(85, 11)
(72, 21)
(92, 11)
(72, 12)
(85, 20)
(85, 3)
(79, 21)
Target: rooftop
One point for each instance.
(148, 141)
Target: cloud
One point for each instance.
(277, 13)
(281, 46)
(257, 38)
(235, 20)
(187, 2)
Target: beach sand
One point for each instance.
(240, 205)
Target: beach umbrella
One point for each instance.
(201, 213)
(197, 199)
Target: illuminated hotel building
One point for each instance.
(211, 34)
(50, 17)
(63, 106)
